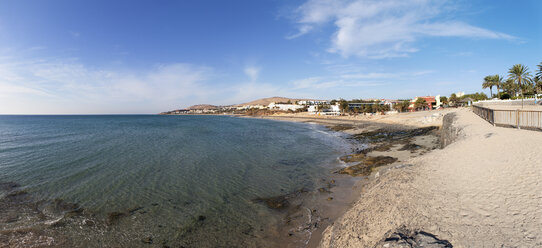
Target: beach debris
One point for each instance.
(330, 198)
(415, 239)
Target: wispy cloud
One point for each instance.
(253, 73)
(318, 83)
(371, 75)
(302, 30)
(382, 29)
(66, 86)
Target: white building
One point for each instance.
(438, 103)
(245, 107)
(332, 110)
(312, 102)
(284, 107)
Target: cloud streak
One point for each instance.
(383, 29)
(66, 86)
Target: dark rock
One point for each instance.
(248, 230)
(11, 217)
(341, 127)
(8, 186)
(356, 170)
(133, 210)
(68, 208)
(379, 160)
(383, 135)
(277, 202)
(114, 217)
(353, 158)
(17, 193)
(324, 190)
(383, 147)
(147, 240)
(415, 239)
(410, 147)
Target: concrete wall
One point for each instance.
(449, 132)
(505, 102)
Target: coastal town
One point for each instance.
(335, 107)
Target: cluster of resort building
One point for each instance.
(321, 107)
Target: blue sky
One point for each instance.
(68, 57)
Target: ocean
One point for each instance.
(138, 180)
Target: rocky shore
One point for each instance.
(378, 145)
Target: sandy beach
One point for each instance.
(481, 190)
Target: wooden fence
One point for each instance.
(529, 119)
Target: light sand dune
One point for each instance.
(484, 190)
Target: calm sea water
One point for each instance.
(190, 180)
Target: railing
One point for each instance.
(530, 119)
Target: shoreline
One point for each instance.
(355, 127)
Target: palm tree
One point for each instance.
(537, 83)
(488, 83)
(420, 104)
(520, 74)
(510, 87)
(539, 73)
(497, 81)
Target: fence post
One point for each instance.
(517, 118)
(493, 117)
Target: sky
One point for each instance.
(129, 57)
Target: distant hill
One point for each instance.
(268, 100)
(202, 107)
